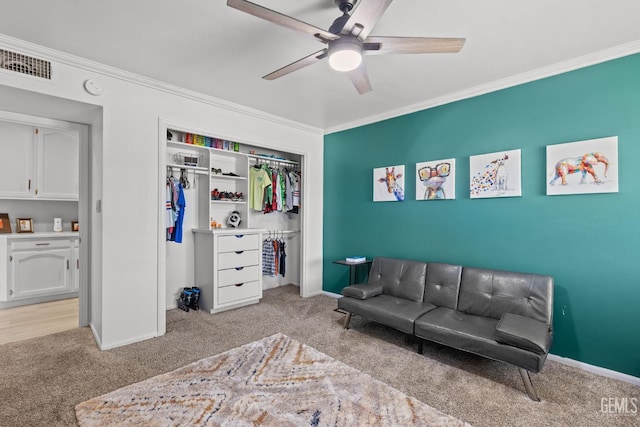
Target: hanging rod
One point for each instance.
(257, 157)
(198, 170)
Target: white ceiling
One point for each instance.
(205, 46)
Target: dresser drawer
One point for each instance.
(238, 259)
(238, 242)
(230, 294)
(233, 276)
(23, 244)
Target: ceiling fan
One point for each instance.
(348, 38)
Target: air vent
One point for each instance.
(24, 64)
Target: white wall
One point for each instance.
(126, 180)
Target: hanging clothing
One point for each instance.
(283, 257)
(175, 207)
(181, 204)
(259, 180)
(268, 258)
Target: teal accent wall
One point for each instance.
(590, 244)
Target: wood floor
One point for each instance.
(29, 321)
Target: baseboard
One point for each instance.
(331, 294)
(595, 369)
(127, 342)
(95, 335)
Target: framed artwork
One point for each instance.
(24, 225)
(495, 175)
(436, 180)
(388, 184)
(583, 167)
(75, 226)
(5, 223)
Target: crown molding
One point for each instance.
(518, 79)
(53, 55)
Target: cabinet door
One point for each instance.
(38, 273)
(75, 266)
(16, 160)
(58, 158)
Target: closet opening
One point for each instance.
(242, 216)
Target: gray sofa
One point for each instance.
(500, 315)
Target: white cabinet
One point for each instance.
(228, 268)
(38, 266)
(16, 160)
(58, 161)
(38, 162)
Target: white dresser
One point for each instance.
(228, 267)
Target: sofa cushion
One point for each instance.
(398, 313)
(442, 284)
(399, 278)
(475, 334)
(362, 291)
(523, 332)
(491, 293)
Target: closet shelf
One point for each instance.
(229, 202)
(215, 176)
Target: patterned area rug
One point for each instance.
(276, 381)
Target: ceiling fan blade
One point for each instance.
(294, 66)
(360, 79)
(280, 19)
(365, 17)
(387, 45)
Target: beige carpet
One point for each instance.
(276, 381)
(43, 379)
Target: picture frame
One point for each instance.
(497, 174)
(75, 226)
(5, 223)
(583, 167)
(388, 184)
(436, 180)
(24, 225)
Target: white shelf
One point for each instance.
(216, 176)
(184, 146)
(198, 169)
(229, 202)
(272, 159)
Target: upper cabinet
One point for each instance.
(16, 160)
(38, 162)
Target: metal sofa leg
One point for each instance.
(528, 386)
(347, 319)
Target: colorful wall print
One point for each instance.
(495, 175)
(436, 180)
(388, 184)
(583, 167)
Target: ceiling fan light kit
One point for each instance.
(347, 38)
(345, 54)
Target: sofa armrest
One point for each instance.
(362, 291)
(523, 332)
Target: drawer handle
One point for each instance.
(239, 252)
(239, 236)
(42, 244)
(239, 268)
(237, 285)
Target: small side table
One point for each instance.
(352, 268)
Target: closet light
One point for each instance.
(345, 54)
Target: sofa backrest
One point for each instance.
(491, 293)
(443, 284)
(399, 278)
